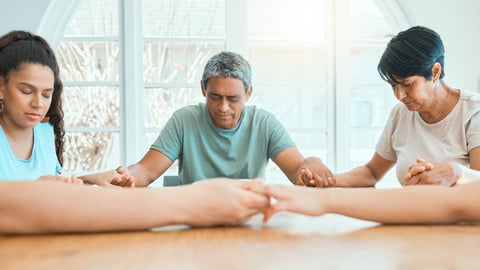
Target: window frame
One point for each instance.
(132, 87)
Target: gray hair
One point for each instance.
(228, 65)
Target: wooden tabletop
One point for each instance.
(288, 241)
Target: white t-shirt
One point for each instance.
(407, 136)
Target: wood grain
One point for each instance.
(287, 242)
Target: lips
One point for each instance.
(33, 116)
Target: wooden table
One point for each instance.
(288, 241)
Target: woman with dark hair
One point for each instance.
(31, 115)
(433, 134)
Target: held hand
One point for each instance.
(123, 179)
(222, 201)
(295, 199)
(72, 179)
(313, 173)
(111, 178)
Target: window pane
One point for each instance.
(177, 62)
(90, 151)
(363, 65)
(83, 106)
(293, 20)
(370, 97)
(161, 103)
(311, 143)
(150, 137)
(290, 103)
(89, 61)
(367, 22)
(281, 64)
(288, 53)
(186, 18)
(94, 18)
(371, 106)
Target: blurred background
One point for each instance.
(127, 65)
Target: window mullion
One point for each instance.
(236, 36)
(341, 78)
(131, 81)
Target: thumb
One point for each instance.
(268, 213)
(120, 170)
(250, 183)
(420, 160)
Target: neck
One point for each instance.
(13, 132)
(444, 102)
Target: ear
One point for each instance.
(2, 87)
(249, 93)
(204, 90)
(436, 71)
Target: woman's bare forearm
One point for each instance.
(36, 207)
(419, 204)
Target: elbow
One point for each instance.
(372, 178)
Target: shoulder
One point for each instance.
(470, 97)
(252, 111)
(44, 127)
(399, 110)
(44, 131)
(469, 101)
(399, 114)
(261, 119)
(190, 110)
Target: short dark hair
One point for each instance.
(412, 52)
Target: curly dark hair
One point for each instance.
(18, 47)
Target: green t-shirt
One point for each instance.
(206, 151)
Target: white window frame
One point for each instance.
(131, 84)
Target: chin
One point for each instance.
(411, 108)
(223, 125)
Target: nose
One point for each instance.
(223, 107)
(399, 92)
(36, 101)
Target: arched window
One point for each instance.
(128, 65)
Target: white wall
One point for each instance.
(21, 14)
(457, 22)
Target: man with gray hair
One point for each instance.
(219, 138)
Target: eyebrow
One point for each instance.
(34, 87)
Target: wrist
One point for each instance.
(458, 173)
(329, 200)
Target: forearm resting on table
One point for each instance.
(100, 177)
(416, 204)
(39, 207)
(143, 176)
(358, 177)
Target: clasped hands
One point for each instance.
(426, 173)
(314, 174)
(237, 201)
